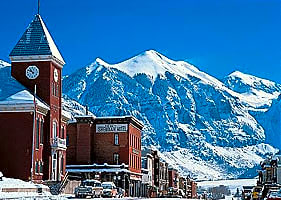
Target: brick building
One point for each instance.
(147, 175)
(108, 148)
(38, 122)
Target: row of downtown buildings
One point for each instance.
(109, 149)
(269, 180)
(39, 143)
(269, 177)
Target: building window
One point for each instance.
(57, 90)
(41, 167)
(62, 132)
(67, 140)
(37, 134)
(36, 167)
(62, 163)
(55, 129)
(116, 158)
(134, 144)
(41, 132)
(116, 139)
(53, 89)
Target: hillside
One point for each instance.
(213, 129)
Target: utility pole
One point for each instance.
(33, 132)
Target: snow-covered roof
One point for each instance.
(84, 116)
(111, 170)
(122, 117)
(66, 114)
(98, 166)
(4, 64)
(22, 100)
(37, 41)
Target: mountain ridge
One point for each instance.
(188, 114)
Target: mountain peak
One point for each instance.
(99, 61)
(250, 79)
(152, 53)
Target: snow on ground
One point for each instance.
(232, 184)
(133, 198)
(16, 183)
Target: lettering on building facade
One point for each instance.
(111, 128)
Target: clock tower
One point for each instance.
(37, 61)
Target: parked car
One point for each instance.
(274, 195)
(247, 192)
(120, 192)
(172, 193)
(90, 188)
(109, 189)
(257, 193)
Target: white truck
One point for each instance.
(90, 188)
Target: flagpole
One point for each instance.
(33, 132)
(38, 7)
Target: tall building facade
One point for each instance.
(40, 124)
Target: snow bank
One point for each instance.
(232, 184)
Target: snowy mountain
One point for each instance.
(267, 113)
(257, 89)
(207, 128)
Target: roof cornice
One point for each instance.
(22, 107)
(37, 58)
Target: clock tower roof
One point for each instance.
(37, 44)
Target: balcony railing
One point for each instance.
(59, 143)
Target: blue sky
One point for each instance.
(217, 36)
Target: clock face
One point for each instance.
(32, 72)
(56, 75)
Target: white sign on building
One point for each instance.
(111, 128)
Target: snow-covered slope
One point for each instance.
(189, 115)
(257, 89)
(268, 113)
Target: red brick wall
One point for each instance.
(103, 147)
(134, 149)
(193, 190)
(42, 82)
(44, 91)
(83, 145)
(72, 139)
(16, 142)
(88, 147)
(172, 175)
